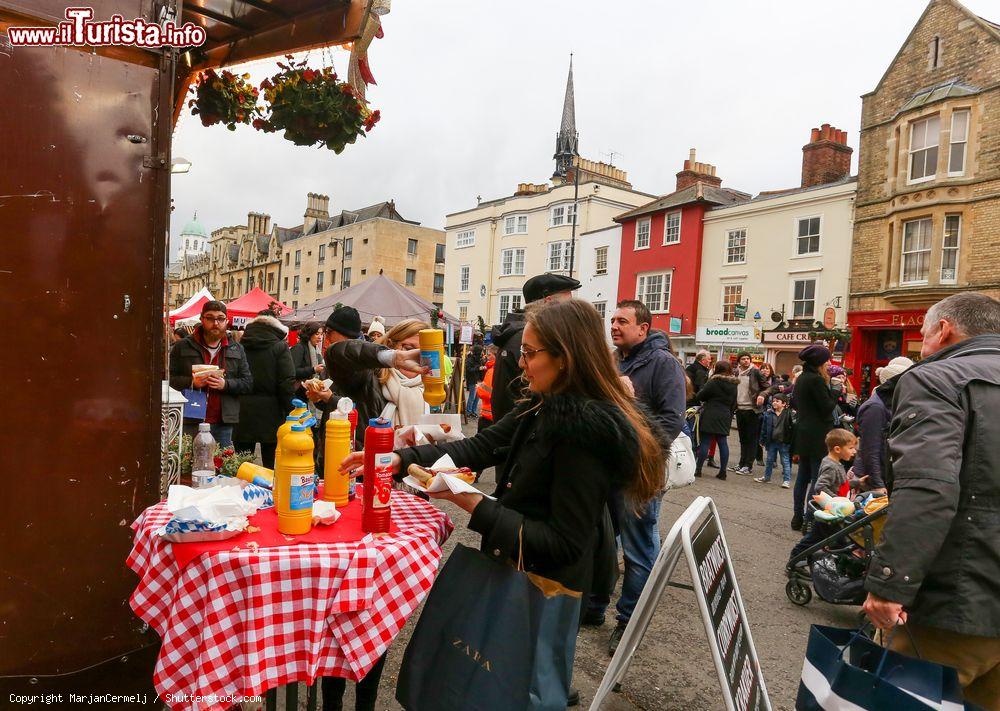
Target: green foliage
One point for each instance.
(224, 98)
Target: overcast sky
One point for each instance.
(471, 94)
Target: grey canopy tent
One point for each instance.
(377, 296)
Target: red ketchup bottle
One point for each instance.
(376, 511)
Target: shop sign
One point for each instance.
(675, 324)
(791, 337)
(720, 335)
(887, 319)
(829, 318)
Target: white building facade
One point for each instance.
(599, 258)
(786, 259)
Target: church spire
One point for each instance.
(567, 139)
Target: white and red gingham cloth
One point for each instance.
(241, 622)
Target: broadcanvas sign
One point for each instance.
(727, 335)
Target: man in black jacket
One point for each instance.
(699, 372)
(507, 338)
(937, 566)
(218, 394)
(657, 378)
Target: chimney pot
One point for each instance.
(826, 158)
(815, 135)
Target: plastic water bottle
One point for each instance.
(203, 457)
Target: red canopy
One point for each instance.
(249, 305)
(192, 309)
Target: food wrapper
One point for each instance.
(445, 482)
(324, 512)
(416, 435)
(215, 513)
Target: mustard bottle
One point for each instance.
(432, 356)
(294, 482)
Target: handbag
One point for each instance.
(489, 638)
(871, 677)
(197, 404)
(681, 462)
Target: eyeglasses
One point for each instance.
(216, 319)
(529, 353)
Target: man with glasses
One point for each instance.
(217, 392)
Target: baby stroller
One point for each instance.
(839, 561)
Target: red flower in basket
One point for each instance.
(310, 74)
(218, 462)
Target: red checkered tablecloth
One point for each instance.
(240, 622)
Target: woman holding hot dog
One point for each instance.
(576, 435)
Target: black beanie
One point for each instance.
(345, 321)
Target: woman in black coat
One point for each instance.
(813, 402)
(577, 435)
(718, 404)
(264, 409)
(307, 364)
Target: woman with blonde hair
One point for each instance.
(403, 388)
(575, 436)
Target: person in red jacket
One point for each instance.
(484, 389)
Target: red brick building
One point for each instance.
(661, 250)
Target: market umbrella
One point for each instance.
(250, 304)
(378, 296)
(191, 307)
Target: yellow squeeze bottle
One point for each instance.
(256, 474)
(336, 485)
(432, 356)
(294, 482)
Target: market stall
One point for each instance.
(243, 309)
(262, 609)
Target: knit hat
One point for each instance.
(346, 321)
(815, 355)
(377, 326)
(835, 371)
(894, 368)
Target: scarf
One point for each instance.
(407, 394)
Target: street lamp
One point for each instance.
(180, 165)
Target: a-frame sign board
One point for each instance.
(697, 536)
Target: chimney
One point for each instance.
(695, 172)
(317, 205)
(827, 157)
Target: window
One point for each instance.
(736, 247)
(654, 291)
(562, 215)
(239, 285)
(270, 283)
(307, 281)
(515, 225)
(286, 283)
(439, 283)
(295, 284)
(334, 246)
(512, 262)
(468, 239)
(319, 281)
(463, 311)
(439, 254)
(348, 247)
(916, 251)
(363, 272)
(602, 308)
(411, 247)
(601, 260)
(959, 139)
(288, 257)
(346, 281)
(558, 256)
(808, 239)
(411, 277)
(463, 278)
(804, 298)
(732, 294)
(322, 254)
(672, 228)
(298, 258)
(924, 148)
(295, 304)
(187, 244)
(642, 234)
(333, 277)
(949, 249)
(508, 302)
(934, 53)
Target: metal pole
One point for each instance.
(576, 196)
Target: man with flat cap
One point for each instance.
(507, 338)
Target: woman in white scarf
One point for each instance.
(402, 388)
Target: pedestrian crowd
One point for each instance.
(579, 434)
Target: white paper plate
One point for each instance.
(446, 482)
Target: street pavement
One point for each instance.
(672, 668)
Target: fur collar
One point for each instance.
(272, 322)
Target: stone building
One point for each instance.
(246, 256)
(927, 215)
(326, 254)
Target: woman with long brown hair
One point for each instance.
(575, 436)
(403, 388)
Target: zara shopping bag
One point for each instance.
(845, 671)
(487, 639)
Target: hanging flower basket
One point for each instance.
(224, 98)
(313, 108)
